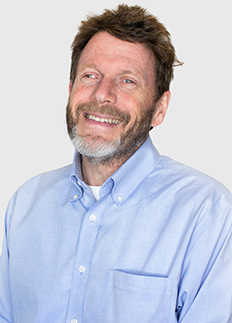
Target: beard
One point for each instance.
(102, 151)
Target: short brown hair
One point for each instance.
(132, 24)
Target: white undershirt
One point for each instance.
(95, 191)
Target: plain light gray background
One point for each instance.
(35, 60)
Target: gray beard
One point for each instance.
(96, 152)
(99, 151)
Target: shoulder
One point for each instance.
(49, 178)
(187, 183)
(45, 184)
(190, 175)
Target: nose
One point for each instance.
(104, 92)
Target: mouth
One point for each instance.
(107, 120)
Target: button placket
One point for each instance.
(87, 240)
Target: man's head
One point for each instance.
(132, 24)
(122, 66)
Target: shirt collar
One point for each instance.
(76, 178)
(134, 171)
(125, 180)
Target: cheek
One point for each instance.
(134, 104)
(128, 101)
(80, 94)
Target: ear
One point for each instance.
(70, 87)
(161, 109)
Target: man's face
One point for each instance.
(111, 103)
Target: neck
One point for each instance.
(95, 174)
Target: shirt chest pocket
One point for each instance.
(135, 298)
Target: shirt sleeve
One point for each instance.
(6, 312)
(208, 298)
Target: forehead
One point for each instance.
(105, 47)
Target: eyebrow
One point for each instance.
(88, 66)
(134, 73)
(129, 72)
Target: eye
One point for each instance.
(128, 81)
(89, 75)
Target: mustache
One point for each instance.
(104, 109)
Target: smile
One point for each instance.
(103, 120)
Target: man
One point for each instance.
(122, 235)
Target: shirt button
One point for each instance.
(92, 217)
(81, 269)
(75, 197)
(79, 183)
(74, 321)
(120, 198)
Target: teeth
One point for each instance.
(111, 121)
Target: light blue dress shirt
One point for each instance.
(155, 248)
